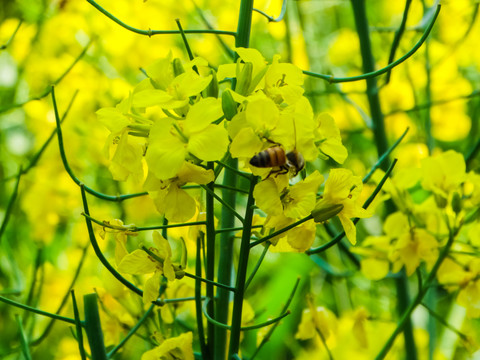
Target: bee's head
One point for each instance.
(296, 161)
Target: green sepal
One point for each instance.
(212, 89)
(244, 79)
(177, 67)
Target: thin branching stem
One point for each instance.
(132, 331)
(373, 74)
(37, 311)
(101, 257)
(49, 88)
(367, 203)
(150, 32)
(69, 169)
(271, 18)
(243, 328)
(269, 334)
(398, 36)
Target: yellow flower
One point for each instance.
(342, 188)
(444, 173)
(139, 262)
(329, 139)
(171, 141)
(169, 197)
(413, 247)
(316, 320)
(295, 201)
(179, 347)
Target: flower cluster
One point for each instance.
(436, 202)
(174, 122)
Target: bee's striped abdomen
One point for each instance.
(270, 157)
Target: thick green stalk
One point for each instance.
(210, 262)
(239, 294)
(244, 24)
(225, 262)
(381, 142)
(93, 327)
(225, 265)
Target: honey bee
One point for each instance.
(288, 162)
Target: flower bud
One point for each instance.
(212, 89)
(229, 105)
(440, 201)
(177, 67)
(456, 203)
(324, 211)
(244, 79)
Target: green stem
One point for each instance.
(242, 273)
(11, 202)
(398, 36)
(366, 204)
(198, 297)
(428, 94)
(269, 334)
(242, 38)
(271, 18)
(78, 327)
(156, 32)
(418, 299)
(225, 259)
(10, 39)
(210, 260)
(243, 328)
(23, 339)
(101, 257)
(281, 231)
(93, 327)
(372, 73)
(49, 327)
(381, 142)
(230, 207)
(257, 265)
(37, 311)
(49, 88)
(69, 169)
(131, 332)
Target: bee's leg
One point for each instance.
(282, 171)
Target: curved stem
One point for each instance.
(101, 257)
(69, 169)
(243, 328)
(49, 88)
(271, 18)
(372, 74)
(156, 32)
(398, 36)
(367, 203)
